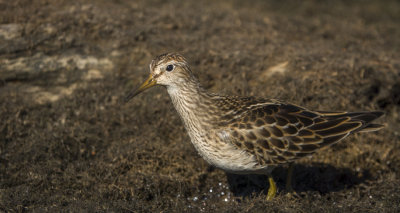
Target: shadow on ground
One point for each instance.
(321, 178)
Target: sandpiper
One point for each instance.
(249, 135)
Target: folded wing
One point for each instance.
(280, 133)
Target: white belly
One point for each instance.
(227, 157)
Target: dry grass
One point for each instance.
(67, 143)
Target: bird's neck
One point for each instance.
(192, 102)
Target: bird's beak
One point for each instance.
(150, 82)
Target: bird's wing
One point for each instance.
(279, 133)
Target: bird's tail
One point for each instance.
(365, 118)
(371, 128)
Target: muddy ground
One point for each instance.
(68, 143)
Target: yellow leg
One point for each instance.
(272, 188)
(289, 178)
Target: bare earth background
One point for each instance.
(67, 142)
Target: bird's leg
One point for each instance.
(289, 178)
(289, 189)
(272, 188)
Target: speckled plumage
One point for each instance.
(248, 134)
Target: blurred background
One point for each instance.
(68, 143)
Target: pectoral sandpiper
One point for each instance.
(249, 135)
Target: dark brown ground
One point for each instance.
(67, 143)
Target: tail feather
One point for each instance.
(366, 118)
(334, 115)
(371, 128)
(351, 122)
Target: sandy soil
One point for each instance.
(68, 143)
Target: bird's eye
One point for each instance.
(169, 68)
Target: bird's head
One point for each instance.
(169, 69)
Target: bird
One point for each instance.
(249, 135)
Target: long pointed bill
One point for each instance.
(150, 82)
